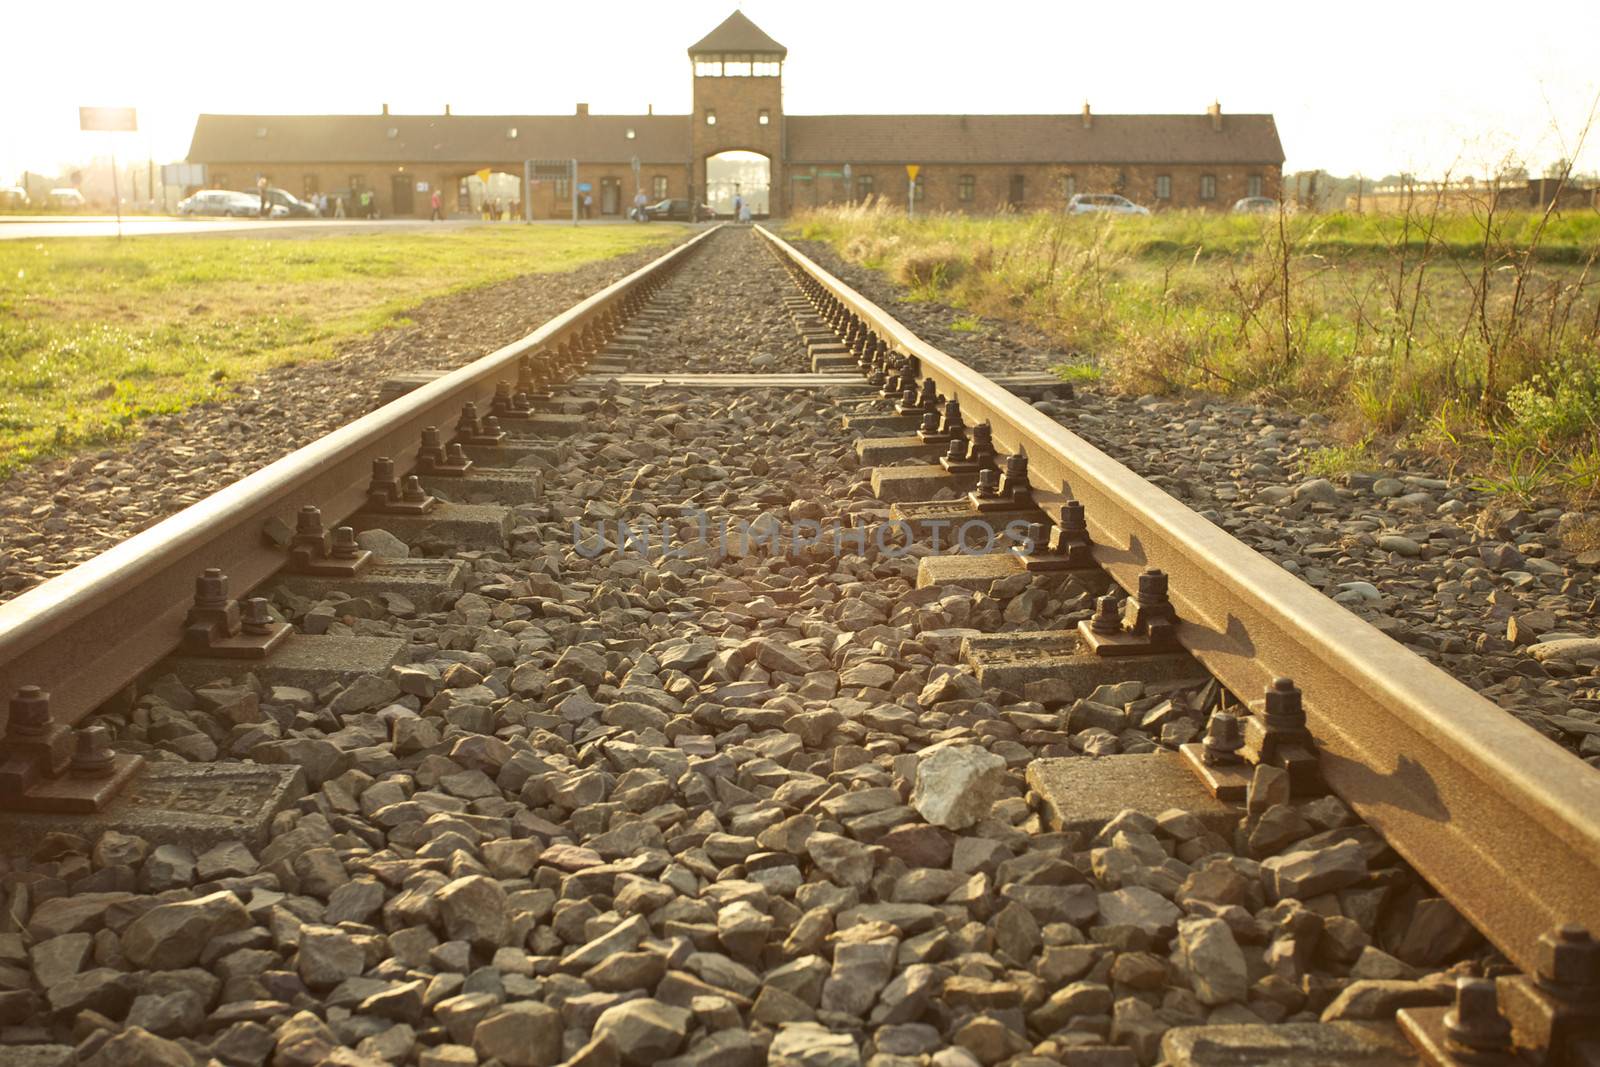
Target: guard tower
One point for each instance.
(738, 108)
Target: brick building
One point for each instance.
(740, 140)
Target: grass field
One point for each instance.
(1472, 336)
(96, 335)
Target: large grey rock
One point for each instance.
(473, 908)
(1215, 963)
(956, 786)
(644, 1030)
(523, 1034)
(811, 1045)
(170, 936)
(1311, 872)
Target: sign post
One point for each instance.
(911, 189)
(110, 120)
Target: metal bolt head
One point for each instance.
(1073, 519)
(1153, 585)
(1568, 958)
(1017, 465)
(30, 711)
(455, 453)
(412, 491)
(92, 754)
(383, 469)
(988, 481)
(211, 588)
(957, 450)
(1223, 737)
(930, 423)
(1107, 615)
(491, 425)
(254, 616)
(430, 437)
(1475, 1023)
(309, 521)
(1038, 537)
(344, 543)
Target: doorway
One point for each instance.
(1017, 189)
(747, 175)
(400, 193)
(610, 196)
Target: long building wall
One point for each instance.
(1042, 187)
(549, 199)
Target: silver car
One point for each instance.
(1103, 204)
(226, 202)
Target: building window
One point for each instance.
(966, 187)
(764, 116)
(563, 188)
(765, 68)
(1254, 186)
(1163, 187)
(261, 131)
(658, 186)
(631, 134)
(310, 185)
(1018, 189)
(511, 133)
(358, 182)
(711, 117)
(865, 183)
(1069, 186)
(736, 67)
(1208, 187)
(708, 68)
(392, 132)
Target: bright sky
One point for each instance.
(1374, 88)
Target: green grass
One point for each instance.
(97, 335)
(1470, 336)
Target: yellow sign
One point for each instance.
(483, 175)
(911, 170)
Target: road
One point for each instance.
(34, 227)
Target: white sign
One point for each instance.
(184, 174)
(422, 187)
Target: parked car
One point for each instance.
(677, 207)
(67, 198)
(227, 202)
(11, 196)
(1255, 205)
(1103, 204)
(297, 208)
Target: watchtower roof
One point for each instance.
(738, 34)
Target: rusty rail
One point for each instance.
(86, 634)
(1505, 823)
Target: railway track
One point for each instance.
(609, 700)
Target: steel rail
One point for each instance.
(88, 633)
(1503, 822)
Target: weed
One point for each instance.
(1335, 460)
(967, 324)
(1078, 372)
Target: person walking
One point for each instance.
(744, 210)
(338, 207)
(738, 208)
(435, 202)
(261, 189)
(588, 205)
(639, 202)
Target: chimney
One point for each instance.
(1088, 120)
(385, 109)
(649, 109)
(447, 110)
(1215, 111)
(583, 110)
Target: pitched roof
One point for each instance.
(738, 34)
(476, 139)
(1109, 139)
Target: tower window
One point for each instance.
(765, 69)
(764, 117)
(708, 68)
(736, 67)
(711, 117)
